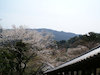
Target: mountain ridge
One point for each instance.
(59, 35)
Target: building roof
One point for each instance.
(90, 53)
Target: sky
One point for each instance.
(77, 16)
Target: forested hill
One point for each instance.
(59, 35)
(89, 40)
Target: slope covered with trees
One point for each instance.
(24, 52)
(89, 40)
(18, 47)
(59, 35)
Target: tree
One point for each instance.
(89, 40)
(6, 61)
(62, 44)
(22, 45)
(35, 38)
(14, 60)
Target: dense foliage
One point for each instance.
(13, 60)
(89, 40)
(18, 48)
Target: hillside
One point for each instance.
(36, 50)
(77, 46)
(59, 35)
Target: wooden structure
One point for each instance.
(86, 64)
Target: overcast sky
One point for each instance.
(78, 16)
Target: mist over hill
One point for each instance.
(59, 35)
